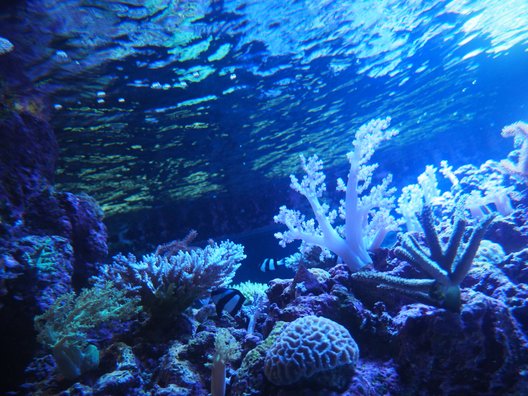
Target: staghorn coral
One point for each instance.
(447, 266)
(365, 209)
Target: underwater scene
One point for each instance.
(264, 197)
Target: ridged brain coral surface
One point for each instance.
(308, 346)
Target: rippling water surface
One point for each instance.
(166, 101)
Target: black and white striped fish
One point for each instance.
(229, 300)
(270, 265)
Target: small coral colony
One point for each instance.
(451, 288)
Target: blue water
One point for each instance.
(272, 79)
(192, 114)
(160, 105)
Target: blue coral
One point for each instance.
(173, 283)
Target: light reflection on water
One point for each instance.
(207, 97)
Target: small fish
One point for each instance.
(270, 265)
(5, 46)
(229, 300)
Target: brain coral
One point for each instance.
(312, 350)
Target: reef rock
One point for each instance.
(476, 351)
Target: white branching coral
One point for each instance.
(365, 209)
(447, 171)
(519, 131)
(414, 196)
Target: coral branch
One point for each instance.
(365, 210)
